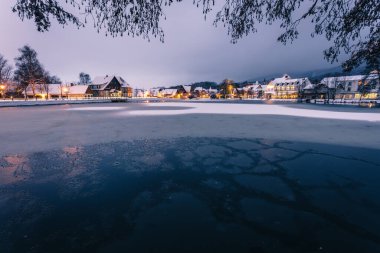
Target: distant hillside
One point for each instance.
(205, 85)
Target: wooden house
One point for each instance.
(110, 86)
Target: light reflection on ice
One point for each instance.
(96, 108)
(253, 109)
(72, 150)
(17, 169)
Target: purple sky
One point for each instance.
(194, 50)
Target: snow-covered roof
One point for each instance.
(309, 86)
(169, 92)
(282, 79)
(199, 89)
(327, 80)
(187, 88)
(286, 80)
(295, 81)
(248, 87)
(103, 81)
(254, 87)
(78, 89)
(331, 81)
(57, 89)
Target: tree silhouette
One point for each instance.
(5, 70)
(353, 26)
(29, 71)
(84, 78)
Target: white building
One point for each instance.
(106, 86)
(286, 87)
(168, 93)
(141, 93)
(58, 91)
(349, 87)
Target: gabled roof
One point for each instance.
(187, 88)
(103, 81)
(309, 87)
(253, 87)
(286, 80)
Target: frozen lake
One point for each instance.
(189, 177)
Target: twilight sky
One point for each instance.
(194, 50)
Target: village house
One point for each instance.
(54, 91)
(201, 92)
(169, 93)
(255, 90)
(286, 87)
(351, 87)
(155, 92)
(212, 91)
(309, 91)
(110, 86)
(184, 91)
(141, 93)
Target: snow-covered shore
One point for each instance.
(253, 109)
(16, 103)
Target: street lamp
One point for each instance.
(2, 89)
(66, 90)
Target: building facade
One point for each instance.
(110, 86)
(54, 91)
(353, 87)
(286, 87)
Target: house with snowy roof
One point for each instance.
(155, 92)
(286, 87)
(254, 90)
(169, 93)
(201, 92)
(187, 88)
(51, 91)
(110, 86)
(351, 87)
(183, 91)
(141, 93)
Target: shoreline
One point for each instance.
(28, 103)
(333, 103)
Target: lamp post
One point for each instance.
(2, 90)
(66, 90)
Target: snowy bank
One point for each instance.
(15, 103)
(253, 109)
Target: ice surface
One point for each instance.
(255, 109)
